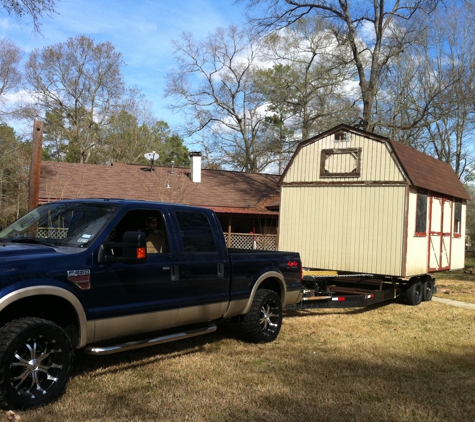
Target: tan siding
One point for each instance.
(458, 243)
(377, 164)
(346, 228)
(417, 247)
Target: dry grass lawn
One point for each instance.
(460, 284)
(387, 363)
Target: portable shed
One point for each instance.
(354, 201)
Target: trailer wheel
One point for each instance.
(414, 293)
(263, 321)
(35, 362)
(427, 289)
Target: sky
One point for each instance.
(142, 30)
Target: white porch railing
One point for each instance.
(266, 242)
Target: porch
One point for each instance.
(266, 242)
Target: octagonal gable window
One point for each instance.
(341, 162)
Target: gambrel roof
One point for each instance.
(420, 170)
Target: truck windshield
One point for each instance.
(60, 224)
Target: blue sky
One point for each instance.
(142, 30)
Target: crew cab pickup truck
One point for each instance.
(91, 273)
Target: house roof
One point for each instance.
(421, 170)
(223, 191)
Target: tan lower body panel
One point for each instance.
(109, 328)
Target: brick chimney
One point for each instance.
(195, 167)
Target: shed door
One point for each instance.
(440, 234)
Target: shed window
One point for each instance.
(458, 218)
(421, 216)
(340, 162)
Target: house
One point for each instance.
(358, 202)
(243, 202)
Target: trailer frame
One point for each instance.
(329, 289)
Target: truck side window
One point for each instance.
(149, 221)
(196, 233)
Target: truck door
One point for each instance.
(440, 230)
(201, 269)
(134, 298)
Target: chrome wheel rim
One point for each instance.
(269, 317)
(36, 367)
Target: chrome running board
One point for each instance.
(107, 350)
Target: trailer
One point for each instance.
(330, 289)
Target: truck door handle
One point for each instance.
(220, 270)
(175, 273)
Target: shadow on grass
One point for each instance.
(117, 362)
(225, 330)
(328, 387)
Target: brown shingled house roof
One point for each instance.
(223, 191)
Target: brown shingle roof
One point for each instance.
(218, 188)
(427, 172)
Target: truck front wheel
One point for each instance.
(35, 362)
(263, 321)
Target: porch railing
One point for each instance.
(266, 242)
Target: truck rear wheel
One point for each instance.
(263, 321)
(35, 362)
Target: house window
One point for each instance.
(457, 218)
(340, 162)
(421, 215)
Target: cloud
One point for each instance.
(141, 30)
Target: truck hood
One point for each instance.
(16, 251)
(20, 261)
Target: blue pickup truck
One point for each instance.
(91, 273)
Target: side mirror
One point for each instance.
(132, 249)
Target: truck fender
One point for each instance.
(271, 274)
(53, 291)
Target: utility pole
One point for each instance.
(35, 167)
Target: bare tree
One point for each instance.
(10, 76)
(35, 9)
(374, 31)
(80, 83)
(310, 82)
(427, 100)
(451, 131)
(213, 85)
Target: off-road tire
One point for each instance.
(35, 362)
(263, 322)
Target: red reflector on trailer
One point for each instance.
(339, 299)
